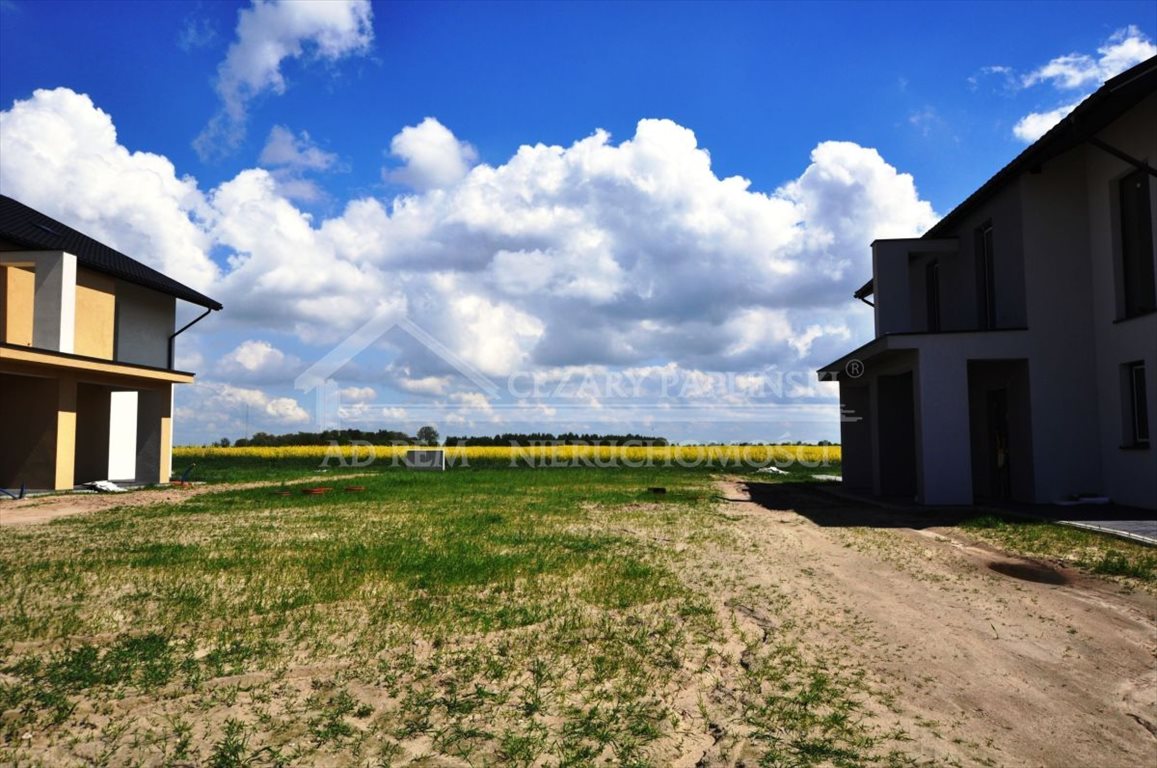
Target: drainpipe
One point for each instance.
(172, 339)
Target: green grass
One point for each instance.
(244, 469)
(489, 615)
(1089, 550)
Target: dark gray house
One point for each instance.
(1015, 354)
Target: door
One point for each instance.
(998, 448)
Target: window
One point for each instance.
(985, 282)
(1137, 415)
(1139, 291)
(932, 288)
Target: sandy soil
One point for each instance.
(991, 659)
(42, 509)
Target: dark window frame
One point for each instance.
(1138, 404)
(932, 294)
(1134, 218)
(985, 278)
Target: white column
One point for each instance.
(54, 303)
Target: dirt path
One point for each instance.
(987, 659)
(42, 509)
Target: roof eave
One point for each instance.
(1070, 131)
(1073, 129)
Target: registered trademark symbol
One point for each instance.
(854, 368)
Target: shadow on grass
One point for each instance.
(835, 512)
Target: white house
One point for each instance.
(86, 357)
(1015, 354)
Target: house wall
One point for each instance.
(92, 432)
(95, 314)
(893, 294)
(28, 413)
(1062, 378)
(896, 430)
(39, 416)
(1128, 474)
(898, 281)
(944, 463)
(145, 321)
(856, 435)
(961, 302)
(918, 290)
(51, 303)
(155, 435)
(54, 300)
(17, 285)
(940, 382)
(881, 449)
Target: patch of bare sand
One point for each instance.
(983, 658)
(42, 509)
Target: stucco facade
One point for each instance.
(1016, 344)
(86, 377)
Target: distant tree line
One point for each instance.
(821, 443)
(546, 438)
(425, 436)
(429, 436)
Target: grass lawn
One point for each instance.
(482, 615)
(472, 617)
(1091, 551)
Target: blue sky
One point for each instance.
(316, 166)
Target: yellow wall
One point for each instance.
(95, 314)
(17, 287)
(65, 433)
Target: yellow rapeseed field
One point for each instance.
(540, 455)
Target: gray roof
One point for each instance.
(31, 229)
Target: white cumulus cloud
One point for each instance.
(268, 33)
(433, 158)
(1036, 124)
(620, 254)
(284, 149)
(1123, 49)
(60, 154)
(257, 360)
(358, 394)
(220, 409)
(290, 157)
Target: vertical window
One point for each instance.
(1138, 404)
(932, 287)
(985, 282)
(1139, 291)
